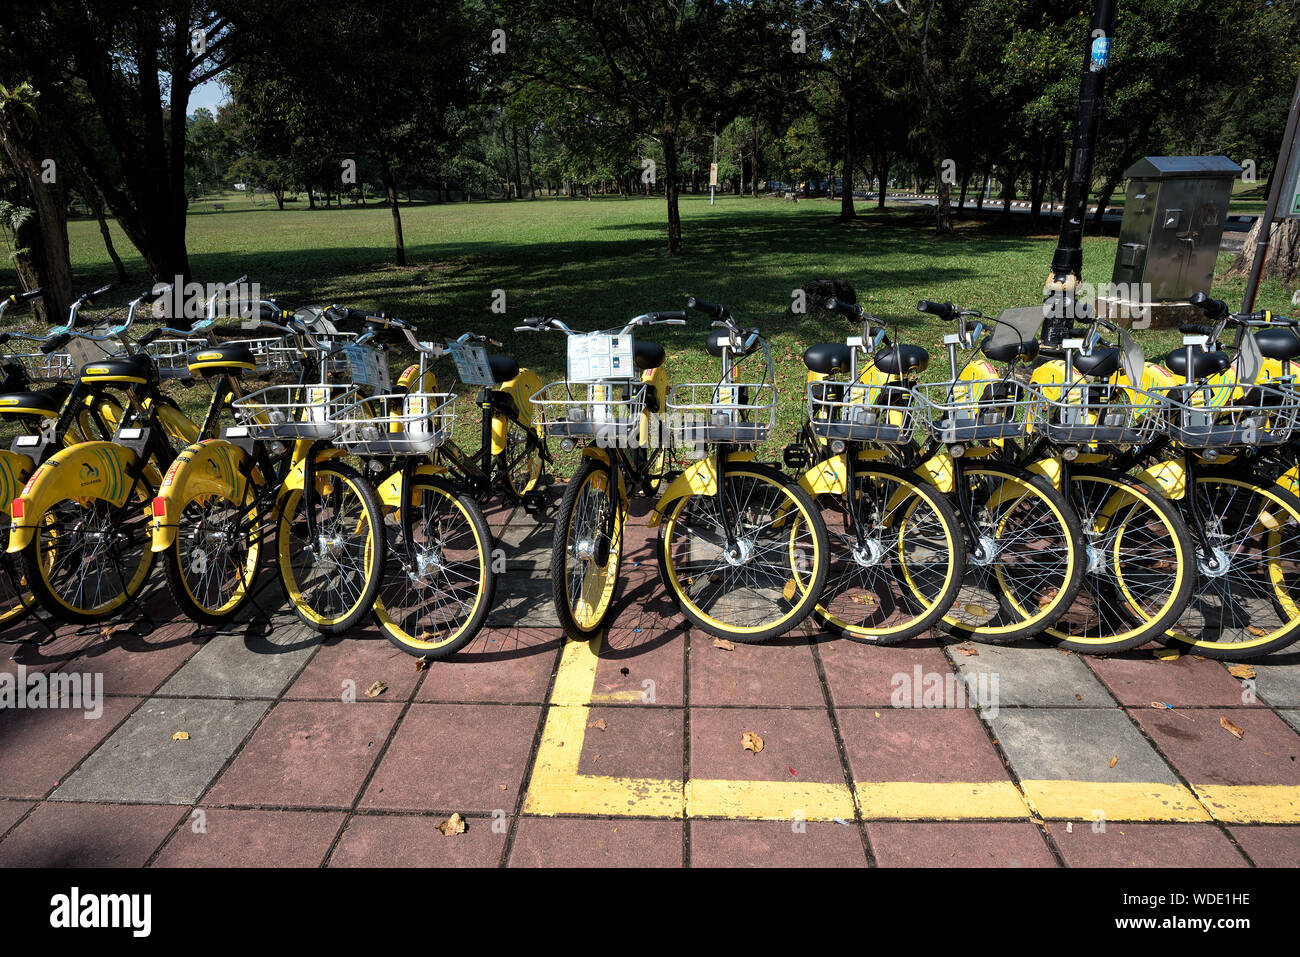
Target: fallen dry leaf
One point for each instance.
(598, 724)
(976, 610)
(452, 826)
(1241, 671)
(1231, 728)
(1166, 654)
(788, 591)
(421, 664)
(181, 736)
(724, 644)
(967, 650)
(1256, 631)
(863, 599)
(376, 689)
(1114, 761)
(751, 742)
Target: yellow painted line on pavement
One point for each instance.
(1114, 800)
(1250, 804)
(556, 786)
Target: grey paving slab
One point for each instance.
(143, 763)
(1278, 684)
(238, 666)
(1035, 676)
(523, 600)
(1291, 716)
(1077, 744)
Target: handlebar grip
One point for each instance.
(849, 310)
(1213, 308)
(673, 315)
(153, 295)
(536, 322)
(55, 344)
(100, 291)
(1196, 329)
(148, 337)
(944, 310)
(29, 296)
(711, 309)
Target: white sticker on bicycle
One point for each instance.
(600, 356)
(83, 352)
(368, 367)
(471, 363)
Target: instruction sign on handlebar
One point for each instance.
(600, 356)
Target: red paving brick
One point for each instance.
(362, 660)
(775, 844)
(11, 811)
(66, 646)
(859, 674)
(771, 674)
(921, 744)
(958, 844)
(404, 840)
(655, 657)
(572, 842)
(307, 754)
(1270, 845)
(1145, 845)
(133, 665)
(1205, 753)
(39, 747)
(455, 757)
(89, 835)
(1138, 679)
(792, 739)
(638, 741)
(512, 666)
(233, 838)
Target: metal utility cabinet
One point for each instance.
(1174, 216)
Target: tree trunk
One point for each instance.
(1104, 197)
(1283, 256)
(390, 190)
(96, 204)
(669, 143)
(847, 212)
(979, 200)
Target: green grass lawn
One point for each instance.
(596, 263)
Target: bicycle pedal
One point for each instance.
(539, 501)
(796, 457)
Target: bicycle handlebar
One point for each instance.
(711, 309)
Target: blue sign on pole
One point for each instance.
(1100, 54)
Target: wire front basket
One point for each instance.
(732, 413)
(1101, 413)
(292, 412)
(398, 424)
(55, 367)
(1223, 416)
(976, 411)
(862, 412)
(608, 411)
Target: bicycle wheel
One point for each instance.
(90, 557)
(774, 576)
(212, 565)
(331, 576)
(1029, 569)
(1137, 566)
(522, 459)
(904, 573)
(437, 588)
(587, 550)
(15, 595)
(1247, 602)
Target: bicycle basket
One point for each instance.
(608, 411)
(291, 412)
(974, 411)
(55, 367)
(171, 357)
(1088, 413)
(1234, 414)
(397, 424)
(732, 413)
(861, 412)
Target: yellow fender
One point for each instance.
(88, 469)
(1168, 478)
(297, 477)
(390, 489)
(827, 477)
(938, 471)
(15, 470)
(210, 467)
(521, 388)
(700, 479)
(177, 424)
(1049, 469)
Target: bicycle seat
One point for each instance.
(902, 360)
(1203, 363)
(1102, 363)
(827, 358)
(647, 355)
(1281, 344)
(138, 369)
(720, 337)
(504, 367)
(232, 360)
(44, 404)
(1010, 350)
